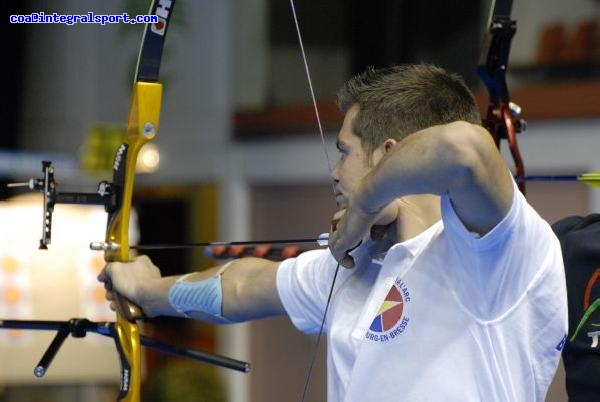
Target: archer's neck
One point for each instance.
(416, 213)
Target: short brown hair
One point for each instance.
(397, 101)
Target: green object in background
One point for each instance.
(101, 143)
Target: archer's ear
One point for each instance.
(382, 150)
(389, 144)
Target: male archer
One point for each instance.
(462, 296)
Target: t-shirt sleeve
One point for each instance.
(473, 241)
(499, 268)
(303, 284)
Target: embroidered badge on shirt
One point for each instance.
(391, 319)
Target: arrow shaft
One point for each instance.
(223, 243)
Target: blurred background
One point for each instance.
(239, 157)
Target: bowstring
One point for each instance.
(316, 109)
(316, 348)
(310, 84)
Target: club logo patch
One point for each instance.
(391, 320)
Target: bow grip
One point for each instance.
(126, 308)
(130, 311)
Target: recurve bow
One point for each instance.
(142, 127)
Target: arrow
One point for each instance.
(592, 179)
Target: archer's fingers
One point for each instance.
(108, 295)
(104, 275)
(343, 258)
(347, 261)
(336, 220)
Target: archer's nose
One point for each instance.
(335, 174)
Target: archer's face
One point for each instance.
(353, 164)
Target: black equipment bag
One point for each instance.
(580, 241)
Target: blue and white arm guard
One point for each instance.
(205, 296)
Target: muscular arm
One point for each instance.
(248, 288)
(458, 159)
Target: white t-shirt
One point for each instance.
(446, 316)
